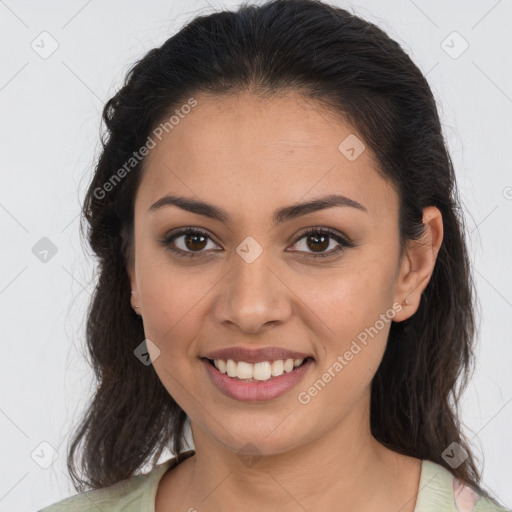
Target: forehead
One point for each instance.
(246, 150)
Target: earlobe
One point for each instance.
(418, 264)
(134, 299)
(135, 307)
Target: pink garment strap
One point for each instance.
(465, 497)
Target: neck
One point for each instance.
(341, 469)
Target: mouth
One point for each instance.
(257, 382)
(256, 372)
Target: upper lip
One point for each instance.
(255, 355)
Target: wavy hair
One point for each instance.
(352, 67)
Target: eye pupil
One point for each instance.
(323, 245)
(193, 236)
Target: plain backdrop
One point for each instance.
(61, 61)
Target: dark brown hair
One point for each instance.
(352, 67)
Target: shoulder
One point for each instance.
(136, 493)
(440, 491)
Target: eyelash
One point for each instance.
(344, 243)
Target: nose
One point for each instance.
(253, 297)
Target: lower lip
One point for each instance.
(256, 391)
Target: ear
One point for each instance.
(133, 286)
(418, 263)
(130, 270)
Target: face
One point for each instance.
(251, 279)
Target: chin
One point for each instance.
(267, 437)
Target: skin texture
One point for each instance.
(250, 156)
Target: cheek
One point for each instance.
(172, 298)
(352, 346)
(355, 303)
(357, 335)
(173, 315)
(351, 298)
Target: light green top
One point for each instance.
(137, 494)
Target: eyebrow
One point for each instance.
(279, 216)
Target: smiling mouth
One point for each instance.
(257, 372)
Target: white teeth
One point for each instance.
(288, 365)
(230, 367)
(244, 370)
(277, 368)
(222, 365)
(262, 371)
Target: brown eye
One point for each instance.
(194, 242)
(318, 240)
(189, 242)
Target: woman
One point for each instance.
(283, 265)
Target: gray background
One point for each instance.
(50, 123)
